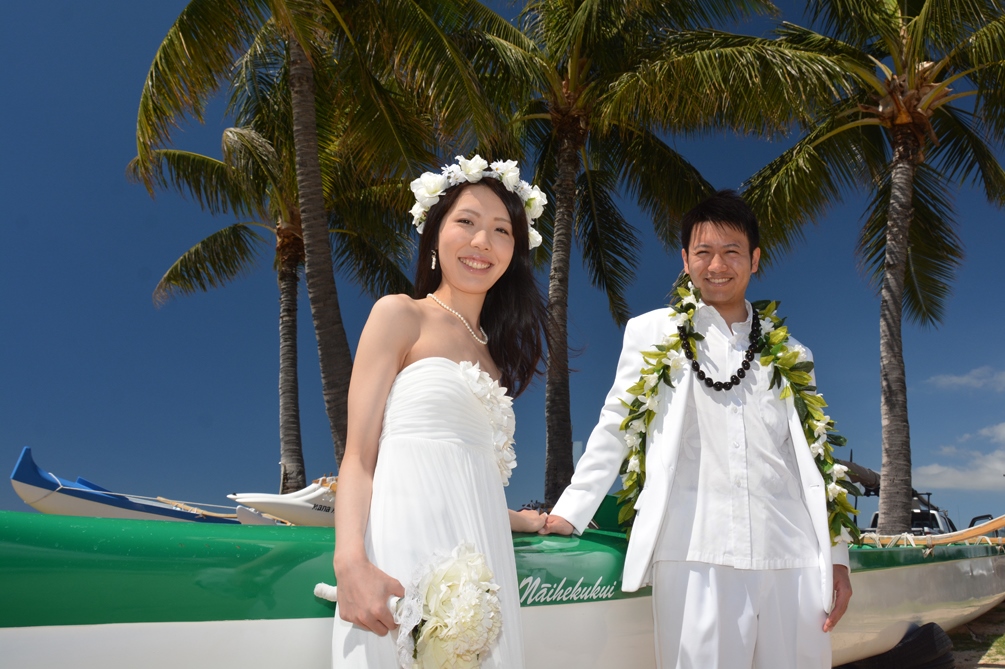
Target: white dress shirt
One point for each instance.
(737, 500)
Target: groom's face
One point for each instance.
(720, 264)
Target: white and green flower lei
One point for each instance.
(666, 365)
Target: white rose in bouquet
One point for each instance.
(461, 618)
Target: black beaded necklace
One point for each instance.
(748, 356)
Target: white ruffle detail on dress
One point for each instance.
(500, 407)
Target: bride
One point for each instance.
(429, 439)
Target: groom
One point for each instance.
(731, 528)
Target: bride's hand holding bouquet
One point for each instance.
(363, 593)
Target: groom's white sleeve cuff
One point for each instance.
(839, 553)
(576, 506)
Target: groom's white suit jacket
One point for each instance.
(606, 450)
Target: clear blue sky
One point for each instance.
(181, 401)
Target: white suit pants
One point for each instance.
(714, 617)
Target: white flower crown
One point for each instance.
(430, 186)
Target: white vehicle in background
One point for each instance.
(926, 519)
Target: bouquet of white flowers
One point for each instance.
(449, 616)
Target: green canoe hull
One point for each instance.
(125, 593)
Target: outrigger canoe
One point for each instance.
(48, 493)
(116, 594)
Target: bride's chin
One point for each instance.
(472, 283)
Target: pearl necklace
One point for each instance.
(485, 338)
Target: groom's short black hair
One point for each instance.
(724, 208)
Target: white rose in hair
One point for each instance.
(535, 238)
(509, 173)
(472, 169)
(418, 213)
(535, 204)
(453, 174)
(428, 188)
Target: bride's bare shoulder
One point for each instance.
(396, 306)
(397, 313)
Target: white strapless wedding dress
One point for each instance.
(445, 452)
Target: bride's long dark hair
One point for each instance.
(514, 314)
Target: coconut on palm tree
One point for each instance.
(925, 114)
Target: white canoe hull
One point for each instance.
(618, 633)
(598, 634)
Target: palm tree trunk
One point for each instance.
(289, 249)
(558, 419)
(333, 346)
(895, 482)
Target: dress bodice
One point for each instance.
(441, 400)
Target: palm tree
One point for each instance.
(363, 41)
(897, 133)
(257, 177)
(605, 77)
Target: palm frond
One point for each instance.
(858, 61)
(547, 23)
(858, 22)
(194, 58)
(513, 62)
(304, 21)
(694, 15)
(801, 184)
(383, 134)
(252, 156)
(985, 44)
(940, 26)
(984, 53)
(425, 57)
(370, 236)
(702, 80)
(935, 251)
(216, 186)
(484, 21)
(376, 269)
(256, 77)
(213, 262)
(663, 183)
(610, 243)
(966, 151)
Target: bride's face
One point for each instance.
(476, 241)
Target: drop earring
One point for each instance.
(434, 260)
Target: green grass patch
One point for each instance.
(986, 635)
(963, 640)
